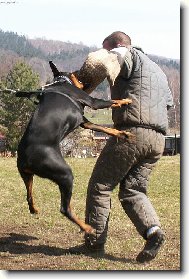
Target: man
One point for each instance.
(129, 163)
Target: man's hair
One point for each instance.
(118, 37)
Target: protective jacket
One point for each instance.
(148, 88)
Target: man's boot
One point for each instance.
(151, 249)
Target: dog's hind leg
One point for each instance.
(66, 193)
(28, 181)
(66, 209)
(59, 172)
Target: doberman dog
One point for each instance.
(60, 110)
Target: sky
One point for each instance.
(153, 25)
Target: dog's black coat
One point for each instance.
(60, 111)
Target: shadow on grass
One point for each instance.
(15, 244)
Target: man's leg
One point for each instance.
(113, 163)
(133, 198)
(132, 195)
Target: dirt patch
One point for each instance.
(26, 248)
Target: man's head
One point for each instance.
(116, 39)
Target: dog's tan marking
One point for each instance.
(109, 131)
(76, 82)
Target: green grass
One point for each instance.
(102, 116)
(39, 242)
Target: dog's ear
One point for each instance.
(54, 69)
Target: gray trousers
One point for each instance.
(128, 164)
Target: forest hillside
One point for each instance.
(69, 57)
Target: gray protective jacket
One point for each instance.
(147, 86)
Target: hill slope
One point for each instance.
(69, 57)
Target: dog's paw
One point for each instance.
(119, 103)
(34, 210)
(126, 134)
(89, 230)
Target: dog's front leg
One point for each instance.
(106, 130)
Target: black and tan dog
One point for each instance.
(60, 111)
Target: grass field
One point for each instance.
(30, 242)
(101, 116)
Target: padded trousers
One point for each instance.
(127, 163)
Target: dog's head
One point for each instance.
(65, 76)
(99, 65)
